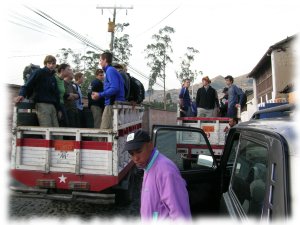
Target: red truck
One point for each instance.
(63, 163)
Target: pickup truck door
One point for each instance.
(253, 177)
(202, 178)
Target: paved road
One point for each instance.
(26, 208)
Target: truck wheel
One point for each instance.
(186, 164)
(125, 197)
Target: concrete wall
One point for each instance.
(157, 116)
(283, 68)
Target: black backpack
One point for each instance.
(137, 91)
(29, 70)
(244, 100)
(126, 78)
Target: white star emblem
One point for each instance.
(62, 179)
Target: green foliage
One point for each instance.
(160, 105)
(157, 54)
(185, 71)
(87, 64)
(122, 45)
(168, 98)
(158, 57)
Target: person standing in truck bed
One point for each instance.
(185, 100)
(71, 95)
(113, 89)
(96, 106)
(46, 94)
(207, 99)
(235, 97)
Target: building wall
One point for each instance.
(157, 116)
(264, 85)
(283, 67)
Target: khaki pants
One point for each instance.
(97, 115)
(204, 112)
(107, 118)
(46, 114)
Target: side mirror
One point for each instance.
(205, 160)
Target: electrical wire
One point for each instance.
(83, 39)
(150, 28)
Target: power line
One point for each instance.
(157, 22)
(33, 25)
(30, 28)
(27, 20)
(82, 38)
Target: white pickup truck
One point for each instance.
(83, 164)
(256, 178)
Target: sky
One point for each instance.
(231, 36)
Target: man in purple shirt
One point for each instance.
(164, 194)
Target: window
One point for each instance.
(249, 177)
(183, 147)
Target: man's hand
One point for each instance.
(237, 105)
(19, 99)
(73, 96)
(95, 95)
(59, 115)
(226, 129)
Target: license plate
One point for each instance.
(61, 145)
(208, 128)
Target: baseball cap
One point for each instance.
(136, 140)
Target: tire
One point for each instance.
(125, 197)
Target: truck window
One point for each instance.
(249, 177)
(183, 148)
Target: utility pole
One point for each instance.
(113, 21)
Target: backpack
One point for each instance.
(244, 100)
(137, 91)
(126, 78)
(29, 70)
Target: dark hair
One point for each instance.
(117, 66)
(62, 66)
(108, 56)
(236, 120)
(186, 79)
(229, 77)
(98, 71)
(78, 75)
(49, 59)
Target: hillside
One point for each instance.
(217, 82)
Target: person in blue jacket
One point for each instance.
(46, 94)
(113, 89)
(235, 97)
(185, 100)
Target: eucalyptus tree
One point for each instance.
(122, 45)
(186, 71)
(158, 56)
(91, 64)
